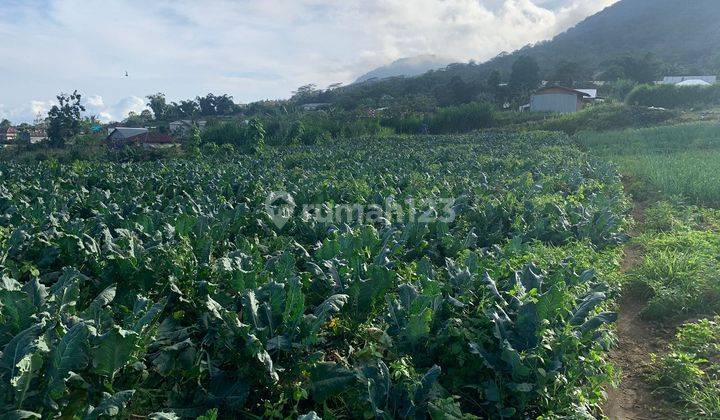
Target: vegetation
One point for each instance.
(172, 286)
(677, 160)
(671, 96)
(677, 276)
(688, 375)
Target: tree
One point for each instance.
(207, 104)
(305, 93)
(158, 105)
(64, 119)
(224, 105)
(4, 125)
(188, 109)
(567, 73)
(492, 86)
(525, 75)
(643, 69)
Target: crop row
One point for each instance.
(168, 288)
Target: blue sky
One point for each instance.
(257, 49)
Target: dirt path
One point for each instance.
(637, 340)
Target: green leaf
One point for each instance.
(19, 415)
(111, 405)
(309, 416)
(104, 298)
(328, 379)
(164, 416)
(70, 354)
(25, 371)
(36, 291)
(114, 350)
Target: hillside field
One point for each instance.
(232, 285)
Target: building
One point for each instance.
(677, 80)
(9, 135)
(139, 137)
(33, 136)
(182, 127)
(561, 99)
(316, 106)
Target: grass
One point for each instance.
(678, 160)
(676, 167)
(689, 375)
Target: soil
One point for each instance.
(637, 341)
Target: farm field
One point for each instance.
(673, 275)
(287, 284)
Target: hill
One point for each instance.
(683, 36)
(407, 67)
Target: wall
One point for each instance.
(555, 102)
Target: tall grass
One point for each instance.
(675, 160)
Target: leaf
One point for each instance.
(19, 415)
(587, 305)
(427, 382)
(331, 305)
(149, 317)
(20, 346)
(309, 416)
(211, 414)
(16, 311)
(114, 350)
(595, 322)
(104, 298)
(70, 354)
(111, 405)
(36, 291)
(328, 379)
(164, 416)
(25, 370)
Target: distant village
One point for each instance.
(548, 98)
(117, 136)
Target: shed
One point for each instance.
(558, 99)
(674, 80)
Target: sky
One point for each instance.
(250, 49)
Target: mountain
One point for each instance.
(683, 35)
(407, 67)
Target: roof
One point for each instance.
(693, 82)
(127, 132)
(592, 93)
(679, 79)
(578, 92)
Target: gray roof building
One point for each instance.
(674, 80)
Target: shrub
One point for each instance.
(671, 96)
(462, 118)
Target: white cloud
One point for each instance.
(251, 50)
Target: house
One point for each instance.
(8, 135)
(140, 137)
(33, 136)
(182, 127)
(677, 80)
(561, 99)
(316, 106)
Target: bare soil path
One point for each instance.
(637, 340)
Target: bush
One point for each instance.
(462, 118)
(603, 118)
(671, 96)
(247, 137)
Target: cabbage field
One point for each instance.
(200, 287)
